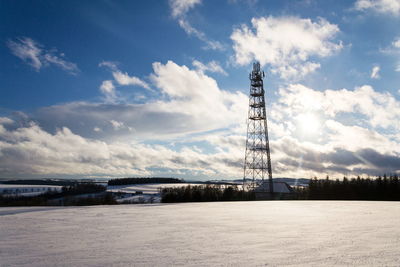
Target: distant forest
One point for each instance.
(94, 194)
(386, 188)
(150, 180)
(203, 193)
(382, 188)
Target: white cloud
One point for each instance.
(380, 109)
(37, 57)
(351, 146)
(124, 79)
(212, 66)
(27, 50)
(32, 151)
(107, 88)
(347, 150)
(396, 43)
(375, 72)
(5, 120)
(190, 30)
(179, 9)
(293, 158)
(391, 7)
(116, 124)
(109, 64)
(191, 102)
(394, 51)
(194, 109)
(286, 43)
(354, 138)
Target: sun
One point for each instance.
(309, 123)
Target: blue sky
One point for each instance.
(159, 88)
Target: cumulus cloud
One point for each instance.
(212, 66)
(194, 111)
(355, 138)
(296, 159)
(32, 151)
(346, 149)
(116, 124)
(107, 88)
(191, 102)
(375, 72)
(35, 55)
(349, 139)
(5, 120)
(380, 109)
(396, 43)
(179, 9)
(286, 43)
(124, 79)
(391, 7)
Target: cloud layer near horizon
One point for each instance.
(100, 139)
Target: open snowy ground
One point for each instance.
(272, 233)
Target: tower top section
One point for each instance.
(256, 73)
(256, 66)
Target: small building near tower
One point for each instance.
(282, 190)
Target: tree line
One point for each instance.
(202, 193)
(382, 188)
(97, 195)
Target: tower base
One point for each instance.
(282, 191)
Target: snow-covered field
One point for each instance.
(263, 233)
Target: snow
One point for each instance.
(273, 233)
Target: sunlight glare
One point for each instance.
(309, 123)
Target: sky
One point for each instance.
(160, 88)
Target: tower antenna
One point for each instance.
(257, 160)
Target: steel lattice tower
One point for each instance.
(257, 161)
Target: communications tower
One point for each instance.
(257, 161)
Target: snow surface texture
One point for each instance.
(273, 233)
